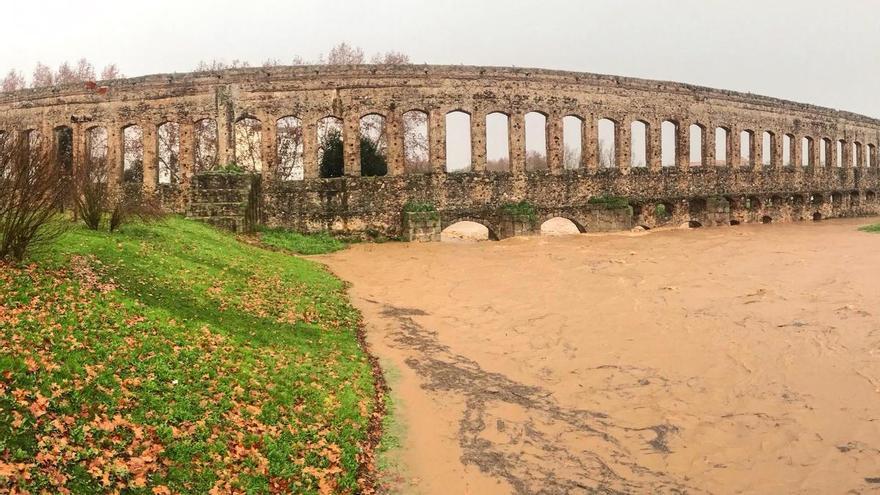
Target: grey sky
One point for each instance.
(813, 51)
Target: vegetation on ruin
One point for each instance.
(522, 209)
(170, 358)
(874, 228)
(419, 207)
(610, 202)
(288, 240)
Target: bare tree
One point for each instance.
(84, 71)
(571, 158)
(343, 54)
(12, 82)
(111, 72)
(43, 77)
(32, 188)
(65, 75)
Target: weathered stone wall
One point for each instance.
(357, 204)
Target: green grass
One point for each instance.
(612, 202)
(300, 243)
(523, 209)
(875, 228)
(171, 358)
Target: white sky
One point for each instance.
(813, 51)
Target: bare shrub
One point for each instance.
(32, 187)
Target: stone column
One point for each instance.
(707, 142)
(225, 139)
(733, 146)
(845, 155)
(114, 155)
(653, 146)
(623, 145)
(395, 151)
(187, 152)
(517, 141)
(151, 157)
(268, 147)
(776, 147)
(814, 154)
(478, 141)
(796, 153)
(682, 147)
(555, 145)
(757, 151)
(589, 144)
(310, 147)
(79, 147)
(351, 144)
(437, 140)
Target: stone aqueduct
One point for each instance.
(831, 164)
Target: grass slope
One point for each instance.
(300, 243)
(170, 358)
(875, 228)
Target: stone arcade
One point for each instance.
(831, 169)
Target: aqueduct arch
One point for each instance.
(261, 98)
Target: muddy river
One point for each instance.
(725, 360)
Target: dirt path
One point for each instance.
(725, 360)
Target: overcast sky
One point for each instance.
(814, 51)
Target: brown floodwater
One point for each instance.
(726, 360)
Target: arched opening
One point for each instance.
(746, 148)
(816, 199)
(497, 142)
(560, 226)
(697, 207)
(807, 152)
(458, 142)
(817, 216)
(168, 135)
(663, 212)
(824, 152)
(133, 155)
(248, 139)
(415, 142)
(722, 137)
(607, 145)
(768, 142)
(668, 139)
(373, 146)
(870, 197)
(854, 199)
(695, 132)
(734, 222)
(869, 155)
(465, 231)
(536, 141)
(96, 151)
(289, 148)
(638, 144)
(64, 148)
(205, 144)
(752, 203)
(836, 199)
(572, 142)
(766, 219)
(838, 153)
(331, 162)
(787, 147)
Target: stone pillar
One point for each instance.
(589, 144)
(707, 146)
(351, 144)
(682, 147)
(310, 147)
(114, 155)
(757, 151)
(623, 145)
(653, 146)
(733, 146)
(225, 139)
(478, 141)
(517, 142)
(79, 147)
(395, 151)
(796, 153)
(814, 154)
(268, 147)
(187, 152)
(845, 157)
(776, 150)
(437, 140)
(151, 157)
(555, 145)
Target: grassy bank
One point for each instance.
(170, 358)
(875, 228)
